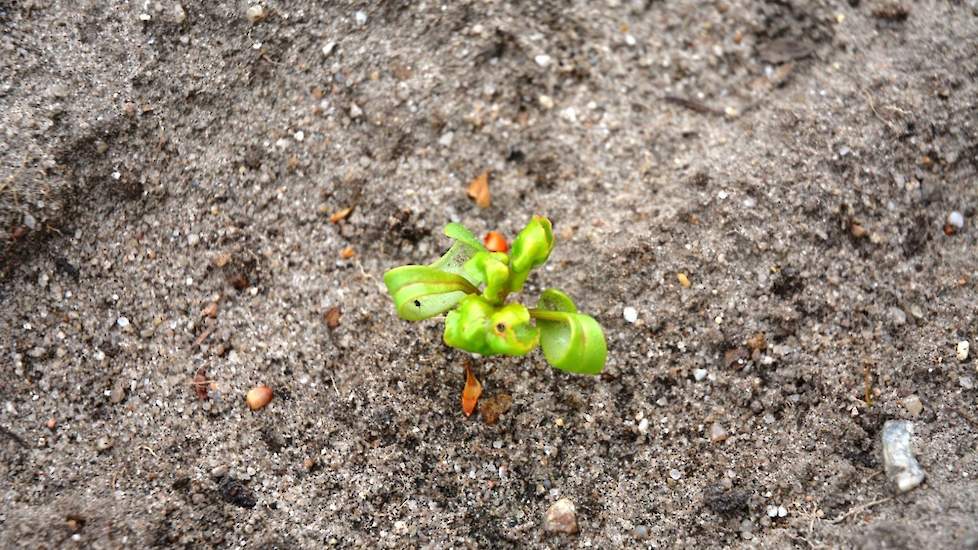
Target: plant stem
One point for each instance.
(548, 315)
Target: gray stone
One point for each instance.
(901, 467)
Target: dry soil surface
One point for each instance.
(797, 161)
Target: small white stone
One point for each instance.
(193, 239)
(256, 14)
(782, 512)
(179, 14)
(144, 17)
(722, 195)
(699, 374)
(630, 40)
(355, 111)
(675, 474)
(913, 405)
(360, 17)
(446, 139)
(772, 511)
(569, 114)
(967, 382)
(546, 102)
(643, 425)
(630, 314)
(299, 136)
(122, 322)
(543, 60)
(962, 350)
(955, 219)
(328, 48)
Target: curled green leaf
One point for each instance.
(465, 247)
(556, 300)
(571, 342)
(421, 291)
(530, 250)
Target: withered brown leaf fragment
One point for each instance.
(471, 392)
(479, 190)
(494, 407)
(201, 383)
(332, 317)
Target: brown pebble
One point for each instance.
(258, 397)
(683, 279)
(221, 259)
(332, 317)
(238, 281)
(757, 342)
(561, 517)
(309, 463)
(52, 423)
(858, 231)
(733, 356)
(493, 407)
(210, 310)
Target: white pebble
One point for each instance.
(543, 60)
(360, 17)
(546, 102)
(355, 111)
(675, 474)
(955, 219)
(643, 425)
(446, 139)
(772, 511)
(299, 136)
(630, 314)
(179, 14)
(144, 17)
(122, 322)
(256, 13)
(569, 114)
(328, 48)
(782, 511)
(699, 374)
(962, 350)
(630, 40)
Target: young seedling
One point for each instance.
(473, 285)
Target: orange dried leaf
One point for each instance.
(495, 242)
(479, 190)
(471, 393)
(340, 215)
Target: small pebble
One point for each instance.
(643, 426)
(675, 474)
(256, 14)
(546, 102)
(543, 60)
(328, 48)
(360, 17)
(962, 350)
(219, 471)
(561, 517)
(103, 444)
(967, 382)
(179, 14)
(955, 219)
(640, 532)
(446, 139)
(718, 433)
(122, 322)
(355, 111)
(772, 511)
(258, 397)
(699, 374)
(913, 405)
(630, 314)
(118, 394)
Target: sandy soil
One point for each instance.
(798, 161)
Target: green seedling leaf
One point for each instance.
(479, 327)
(530, 250)
(555, 300)
(465, 247)
(421, 292)
(571, 342)
(493, 269)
